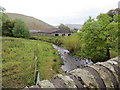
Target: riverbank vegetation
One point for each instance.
(98, 39)
(51, 39)
(18, 62)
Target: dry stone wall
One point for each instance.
(99, 75)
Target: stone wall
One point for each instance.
(100, 75)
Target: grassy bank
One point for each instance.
(19, 64)
(73, 43)
(50, 39)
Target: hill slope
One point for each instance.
(72, 26)
(32, 23)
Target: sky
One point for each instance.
(55, 12)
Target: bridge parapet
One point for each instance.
(99, 75)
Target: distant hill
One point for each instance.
(73, 26)
(31, 22)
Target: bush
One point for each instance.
(7, 27)
(72, 43)
(21, 30)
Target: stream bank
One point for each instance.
(71, 62)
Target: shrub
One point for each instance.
(7, 27)
(72, 43)
(20, 29)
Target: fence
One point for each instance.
(36, 72)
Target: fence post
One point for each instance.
(36, 73)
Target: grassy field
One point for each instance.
(18, 62)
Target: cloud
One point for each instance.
(60, 11)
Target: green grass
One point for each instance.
(51, 39)
(18, 62)
(72, 43)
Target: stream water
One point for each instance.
(71, 62)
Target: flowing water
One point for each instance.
(69, 61)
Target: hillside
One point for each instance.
(73, 26)
(32, 23)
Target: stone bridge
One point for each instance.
(100, 75)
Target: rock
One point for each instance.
(104, 76)
(87, 78)
(66, 80)
(46, 84)
(35, 86)
(110, 67)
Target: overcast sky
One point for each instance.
(55, 12)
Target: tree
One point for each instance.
(3, 18)
(113, 12)
(20, 29)
(2, 9)
(104, 20)
(7, 27)
(92, 44)
(99, 37)
(114, 35)
(62, 26)
(116, 18)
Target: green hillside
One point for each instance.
(32, 23)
